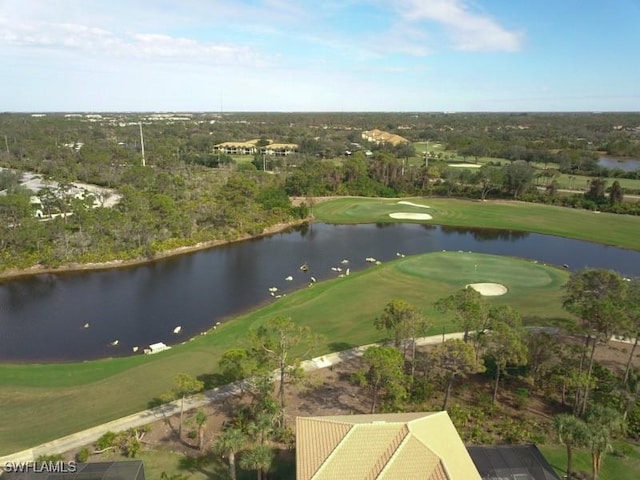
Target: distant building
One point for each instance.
(250, 148)
(378, 136)
(237, 148)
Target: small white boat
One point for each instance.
(135, 349)
(86, 325)
(114, 343)
(344, 262)
(177, 330)
(289, 278)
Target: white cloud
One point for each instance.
(470, 31)
(98, 42)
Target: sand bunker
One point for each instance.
(463, 165)
(489, 289)
(411, 204)
(410, 216)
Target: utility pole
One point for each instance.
(142, 144)
(426, 156)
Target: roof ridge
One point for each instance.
(393, 456)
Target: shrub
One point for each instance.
(83, 455)
(521, 398)
(633, 423)
(54, 457)
(108, 440)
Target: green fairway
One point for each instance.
(43, 402)
(606, 228)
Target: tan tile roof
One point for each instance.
(274, 146)
(386, 137)
(414, 459)
(384, 446)
(247, 144)
(318, 441)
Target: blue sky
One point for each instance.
(330, 55)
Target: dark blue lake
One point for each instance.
(42, 317)
(625, 164)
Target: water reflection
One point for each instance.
(486, 234)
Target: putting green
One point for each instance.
(44, 402)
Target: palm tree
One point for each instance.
(261, 428)
(259, 458)
(230, 442)
(200, 419)
(602, 422)
(572, 432)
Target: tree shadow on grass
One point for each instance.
(212, 380)
(155, 402)
(341, 346)
(209, 464)
(563, 323)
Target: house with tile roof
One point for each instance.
(381, 446)
(378, 136)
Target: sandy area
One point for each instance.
(411, 204)
(489, 289)
(410, 216)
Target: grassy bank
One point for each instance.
(606, 228)
(43, 402)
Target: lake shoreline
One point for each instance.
(14, 274)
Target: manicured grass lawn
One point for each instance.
(613, 467)
(606, 228)
(44, 402)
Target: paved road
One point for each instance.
(145, 417)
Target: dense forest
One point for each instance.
(188, 193)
